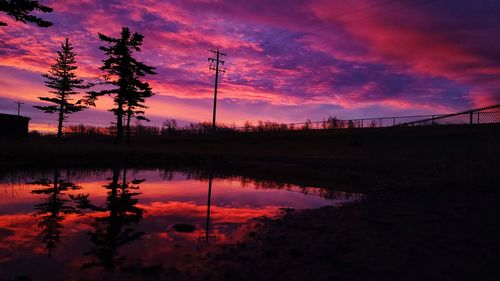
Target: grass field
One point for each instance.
(454, 153)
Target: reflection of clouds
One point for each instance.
(160, 239)
(191, 212)
(157, 224)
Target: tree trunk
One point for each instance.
(60, 121)
(119, 122)
(113, 195)
(129, 116)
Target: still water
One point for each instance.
(84, 225)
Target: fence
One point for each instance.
(485, 115)
(490, 114)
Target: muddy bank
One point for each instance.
(433, 234)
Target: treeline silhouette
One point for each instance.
(171, 127)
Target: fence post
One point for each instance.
(433, 122)
(394, 122)
(471, 118)
(362, 121)
(478, 118)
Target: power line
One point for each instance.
(214, 65)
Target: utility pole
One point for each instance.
(214, 65)
(18, 107)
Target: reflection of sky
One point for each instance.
(165, 203)
(287, 60)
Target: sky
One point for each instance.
(287, 61)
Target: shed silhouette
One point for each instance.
(13, 125)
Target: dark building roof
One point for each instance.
(4, 116)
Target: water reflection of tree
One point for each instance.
(269, 184)
(327, 193)
(52, 211)
(113, 230)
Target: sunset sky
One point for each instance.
(286, 60)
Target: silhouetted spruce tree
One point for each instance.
(63, 80)
(20, 10)
(124, 73)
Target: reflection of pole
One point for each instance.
(208, 206)
(124, 177)
(205, 239)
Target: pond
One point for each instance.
(107, 224)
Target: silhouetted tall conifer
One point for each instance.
(63, 80)
(124, 72)
(20, 10)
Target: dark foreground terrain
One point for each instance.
(424, 235)
(431, 211)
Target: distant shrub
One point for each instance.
(169, 127)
